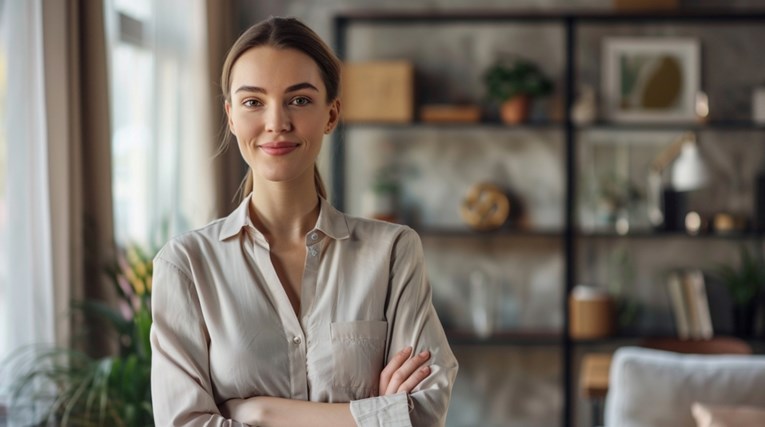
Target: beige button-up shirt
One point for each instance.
(224, 327)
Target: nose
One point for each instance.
(278, 120)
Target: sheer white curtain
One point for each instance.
(27, 314)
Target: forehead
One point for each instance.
(274, 69)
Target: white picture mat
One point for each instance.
(687, 49)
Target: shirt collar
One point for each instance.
(330, 222)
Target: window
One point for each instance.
(3, 191)
(161, 144)
(131, 69)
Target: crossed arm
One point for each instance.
(401, 375)
(182, 388)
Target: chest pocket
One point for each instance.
(358, 353)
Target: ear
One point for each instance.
(227, 107)
(334, 116)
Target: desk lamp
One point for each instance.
(667, 208)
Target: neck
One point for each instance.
(284, 210)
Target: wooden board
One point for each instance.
(645, 4)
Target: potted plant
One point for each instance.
(380, 200)
(514, 82)
(745, 285)
(66, 387)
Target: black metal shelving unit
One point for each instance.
(570, 20)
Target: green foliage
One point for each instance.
(746, 281)
(510, 77)
(386, 180)
(71, 388)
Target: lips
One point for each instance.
(279, 148)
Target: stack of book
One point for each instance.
(690, 305)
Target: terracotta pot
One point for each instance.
(516, 110)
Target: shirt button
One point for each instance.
(296, 339)
(314, 236)
(313, 252)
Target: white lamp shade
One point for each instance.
(689, 171)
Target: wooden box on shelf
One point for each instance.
(445, 113)
(591, 313)
(378, 91)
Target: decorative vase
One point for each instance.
(516, 109)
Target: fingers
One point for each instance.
(391, 367)
(405, 372)
(420, 374)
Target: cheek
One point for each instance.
(244, 125)
(317, 124)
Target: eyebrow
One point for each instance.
(293, 88)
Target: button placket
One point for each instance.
(313, 244)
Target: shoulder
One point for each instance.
(397, 239)
(183, 251)
(365, 228)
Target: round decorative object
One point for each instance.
(485, 207)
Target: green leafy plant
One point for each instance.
(67, 387)
(745, 281)
(386, 180)
(745, 284)
(512, 76)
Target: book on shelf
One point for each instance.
(697, 294)
(675, 287)
(690, 304)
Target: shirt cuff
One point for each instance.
(383, 411)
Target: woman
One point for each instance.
(288, 312)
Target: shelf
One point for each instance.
(568, 234)
(757, 344)
(505, 338)
(536, 126)
(605, 15)
(620, 340)
(723, 125)
(467, 233)
(647, 234)
(729, 125)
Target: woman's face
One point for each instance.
(279, 113)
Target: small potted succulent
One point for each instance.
(514, 82)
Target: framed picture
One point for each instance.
(650, 79)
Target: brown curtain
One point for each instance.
(97, 231)
(229, 166)
(80, 163)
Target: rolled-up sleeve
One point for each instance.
(412, 322)
(180, 380)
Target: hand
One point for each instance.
(403, 373)
(229, 407)
(246, 411)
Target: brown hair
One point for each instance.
(285, 33)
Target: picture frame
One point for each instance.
(650, 79)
